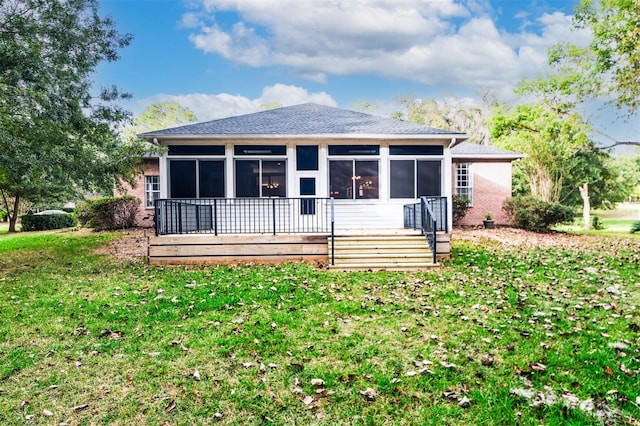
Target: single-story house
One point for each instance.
(297, 183)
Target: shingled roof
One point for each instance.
(305, 119)
(473, 150)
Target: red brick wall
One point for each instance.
(491, 186)
(145, 215)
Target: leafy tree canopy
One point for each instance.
(450, 114)
(57, 137)
(159, 116)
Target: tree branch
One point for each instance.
(615, 142)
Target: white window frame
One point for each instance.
(464, 180)
(151, 190)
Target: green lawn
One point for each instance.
(497, 336)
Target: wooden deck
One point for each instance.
(354, 249)
(210, 249)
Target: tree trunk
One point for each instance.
(13, 216)
(586, 206)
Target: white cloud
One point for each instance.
(212, 106)
(444, 42)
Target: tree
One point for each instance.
(159, 116)
(450, 114)
(548, 138)
(561, 163)
(608, 68)
(56, 137)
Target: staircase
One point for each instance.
(400, 252)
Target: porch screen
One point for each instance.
(353, 179)
(415, 178)
(261, 178)
(196, 178)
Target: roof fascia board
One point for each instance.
(442, 136)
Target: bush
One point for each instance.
(635, 227)
(461, 205)
(3, 215)
(597, 223)
(45, 222)
(536, 215)
(108, 213)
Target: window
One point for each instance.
(415, 150)
(196, 178)
(151, 190)
(196, 149)
(464, 181)
(307, 187)
(261, 178)
(353, 179)
(415, 178)
(307, 157)
(260, 150)
(354, 149)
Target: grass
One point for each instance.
(89, 339)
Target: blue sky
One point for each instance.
(228, 57)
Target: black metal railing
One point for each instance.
(244, 216)
(429, 226)
(430, 216)
(438, 205)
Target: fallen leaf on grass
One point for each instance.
(196, 375)
(307, 400)
(538, 366)
(47, 413)
(170, 406)
(609, 371)
(80, 407)
(369, 393)
(317, 382)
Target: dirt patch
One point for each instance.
(132, 246)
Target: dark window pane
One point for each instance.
(307, 186)
(182, 176)
(308, 206)
(403, 179)
(341, 179)
(429, 178)
(260, 150)
(416, 150)
(307, 157)
(366, 179)
(211, 178)
(247, 178)
(274, 179)
(196, 149)
(354, 149)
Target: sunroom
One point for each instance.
(299, 174)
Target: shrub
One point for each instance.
(3, 215)
(33, 222)
(107, 213)
(536, 215)
(461, 205)
(635, 227)
(597, 223)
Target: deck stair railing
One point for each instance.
(220, 216)
(430, 216)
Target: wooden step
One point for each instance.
(393, 266)
(381, 252)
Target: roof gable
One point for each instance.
(305, 119)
